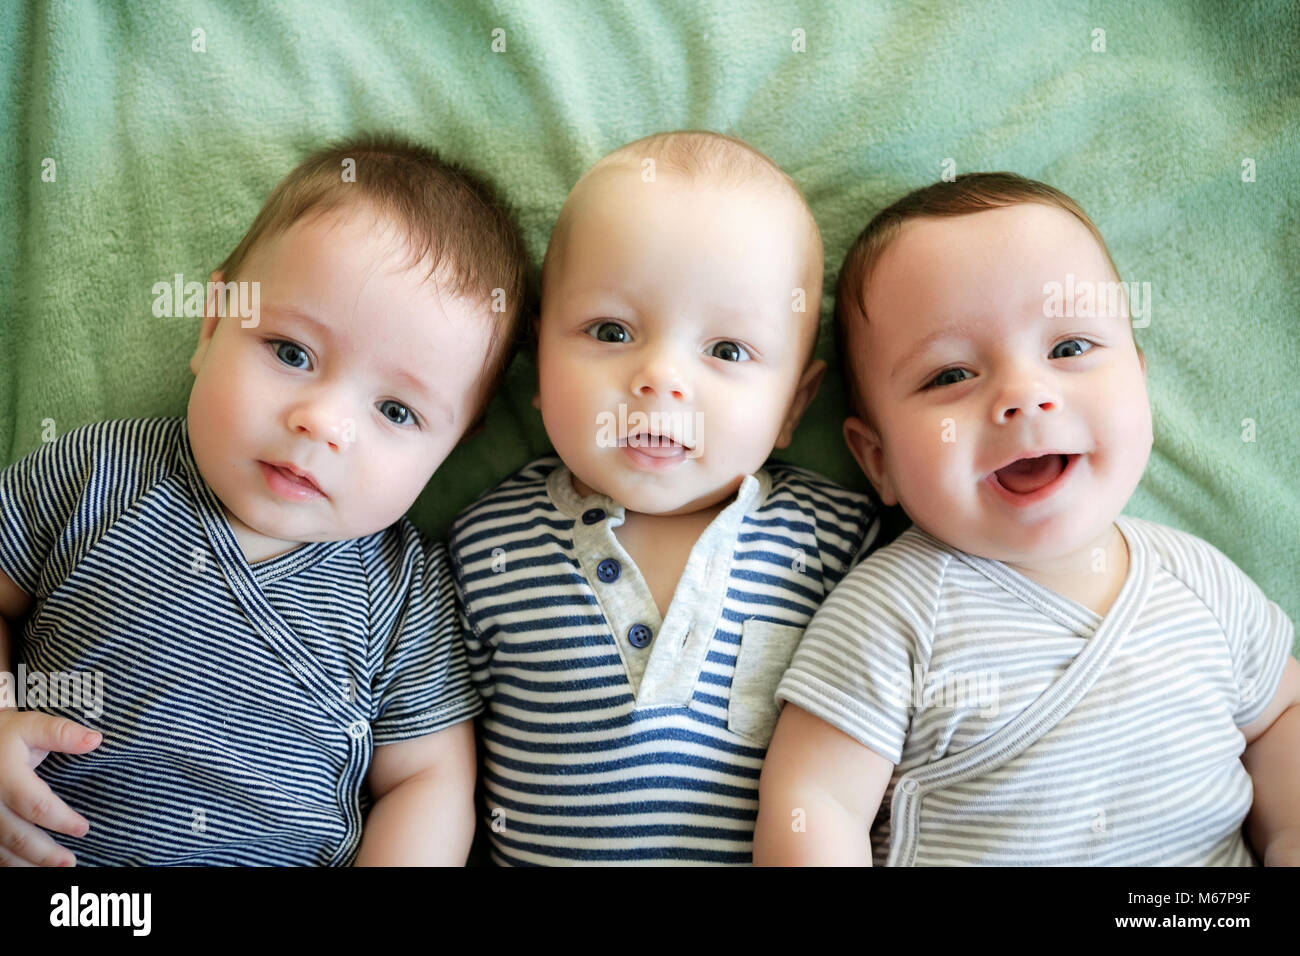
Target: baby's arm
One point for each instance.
(25, 739)
(818, 795)
(424, 801)
(1272, 759)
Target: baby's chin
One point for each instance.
(652, 502)
(1027, 547)
(661, 507)
(279, 527)
(663, 498)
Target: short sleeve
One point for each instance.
(479, 655)
(478, 651)
(1257, 632)
(869, 541)
(421, 683)
(847, 539)
(39, 497)
(866, 648)
(846, 523)
(1259, 636)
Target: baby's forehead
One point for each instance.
(609, 186)
(1009, 251)
(1031, 231)
(617, 196)
(950, 268)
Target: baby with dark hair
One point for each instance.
(277, 645)
(1026, 675)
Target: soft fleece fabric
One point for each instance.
(163, 155)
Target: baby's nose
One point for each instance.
(1011, 411)
(319, 422)
(661, 378)
(1023, 400)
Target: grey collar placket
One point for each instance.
(662, 672)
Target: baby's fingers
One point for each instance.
(7, 859)
(22, 844)
(45, 732)
(26, 797)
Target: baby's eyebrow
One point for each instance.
(410, 380)
(962, 332)
(418, 385)
(289, 312)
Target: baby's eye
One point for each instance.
(396, 412)
(729, 352)
(1084, 346)
(943, 378)
(290, 354)
(609, 332)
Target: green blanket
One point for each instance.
(162, 154)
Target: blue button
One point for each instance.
(608, 570)
(592, 515)
(638, 635)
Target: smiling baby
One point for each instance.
(1026, 676)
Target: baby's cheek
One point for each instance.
(931, 450)
(915, 476)
(1129, 418)
(214, 405)
(1140, 436)
(564, 402)
(385, 493)
(244, 384)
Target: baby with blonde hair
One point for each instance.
(632, 601)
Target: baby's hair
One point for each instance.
(968, 193)
(717, 158)
(450, 216)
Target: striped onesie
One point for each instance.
(612, 736)
(241, 704)
(1026, 729)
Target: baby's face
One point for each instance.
(672, 310)
(965, 375)
(358, 374)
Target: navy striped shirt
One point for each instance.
(613, 736)
(241, 703)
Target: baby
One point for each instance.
(276, 643)
(1026, 676)
(631, 604)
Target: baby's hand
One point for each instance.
(26, 738)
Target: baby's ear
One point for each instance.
(804, 393)
(209, 325)
(870, 454)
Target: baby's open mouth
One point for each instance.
(658, 446)
(1029, 474)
